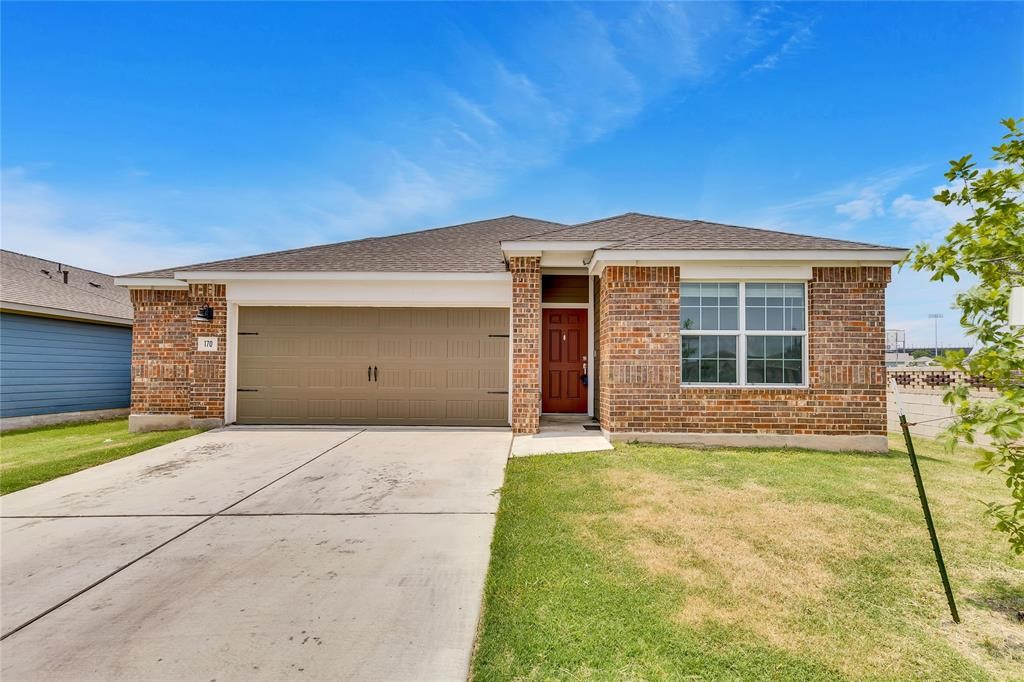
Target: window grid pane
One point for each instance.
(708, 359)
(709, 306)
(775, 359)
(774, 306)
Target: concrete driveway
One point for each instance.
(248, 553)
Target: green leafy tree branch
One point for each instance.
(989, 244)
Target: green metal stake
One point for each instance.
(924, 503)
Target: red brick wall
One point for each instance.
(169, 376)
(206, 398)
(640, 363)
(160, 352)
(525, 343)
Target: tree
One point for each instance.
(989, 244)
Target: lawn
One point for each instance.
(32, 456)
(654, 562)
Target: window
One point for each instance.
(743, 333)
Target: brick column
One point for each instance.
(525, 343)
(639, 345)
(207, 371)
(160, 359)
(174, 385)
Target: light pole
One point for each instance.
(936, 317)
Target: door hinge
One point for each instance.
(497, 336)
(498, 392)
(248, 390)
(248, 333)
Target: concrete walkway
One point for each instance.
(255, 553)
(561, 434)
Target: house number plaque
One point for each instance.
(207, 343)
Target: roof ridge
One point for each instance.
(573, 225)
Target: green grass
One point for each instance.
(654, 562)
(32, 456)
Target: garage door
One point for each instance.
(418, 366)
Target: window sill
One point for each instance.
(757, 387)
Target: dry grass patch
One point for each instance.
(748, 559)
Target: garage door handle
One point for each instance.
(369, 372)
(375, 372)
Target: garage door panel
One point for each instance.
(463, 378)
(434, 366)
(394, 318)
(392, 347)
(493, 349)
(491, 409)
(462, 348)
(428, 318)
(427, 348)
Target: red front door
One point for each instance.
(564, 360)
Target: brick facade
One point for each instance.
(640, 361)
(170, 378)
(207, 371)
(526, 321)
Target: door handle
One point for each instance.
(369, 373)
(375, 372)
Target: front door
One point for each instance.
(564, 360)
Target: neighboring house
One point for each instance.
(662, 329)
(65, 343)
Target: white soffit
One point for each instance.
(703, 270)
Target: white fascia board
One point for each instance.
(149, 283)
(57, 313)
(225, 276)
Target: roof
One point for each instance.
(469, 247)
(476, 247)
(640, 231)
(30, 284)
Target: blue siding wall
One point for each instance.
(49, 366)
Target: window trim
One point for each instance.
(742, 333)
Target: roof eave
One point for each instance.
(877, 257)
(62, 314)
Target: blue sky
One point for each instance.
(144, 135)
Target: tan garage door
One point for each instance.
(446, 366)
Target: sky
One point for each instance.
(137, 136)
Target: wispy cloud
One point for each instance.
(926, 216)
(868, 205)
(855, 200)
(796, 40)
(575, 74)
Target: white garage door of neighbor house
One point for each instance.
(417, 366)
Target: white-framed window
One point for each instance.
(743, 333)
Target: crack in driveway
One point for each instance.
(163, 544)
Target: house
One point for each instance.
(662, 329)
(65, 343)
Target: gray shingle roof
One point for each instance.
(470, 247)
(475, 247)
(23, 282)
(640, 231)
